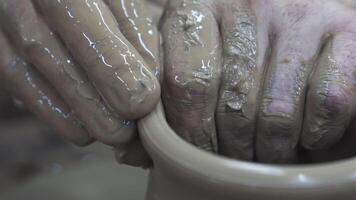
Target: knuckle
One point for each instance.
(321, 138)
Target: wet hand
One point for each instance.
(86, 67)
(256, 79)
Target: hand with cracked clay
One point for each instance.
(88, 68)
(258, 80)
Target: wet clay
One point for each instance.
(192, 72)
(118, 71)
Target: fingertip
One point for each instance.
(277, 140)
(320, 131)
(276, 154)
(82, 138)
(321, 139)
(84, 141)
(133, 154)
(142, 102)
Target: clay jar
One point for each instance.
(183, 172)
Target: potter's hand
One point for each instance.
(105, 79)
(286, 75)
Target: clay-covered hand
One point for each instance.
(86, 67)
(256, 79)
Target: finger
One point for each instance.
(117, 70)
(26, 84)
(243, 55)
(282, 103)
(192, 70)
(137, 27)
(331, 97)
(41, 47)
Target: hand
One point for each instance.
(86, 67)
(282, 75)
